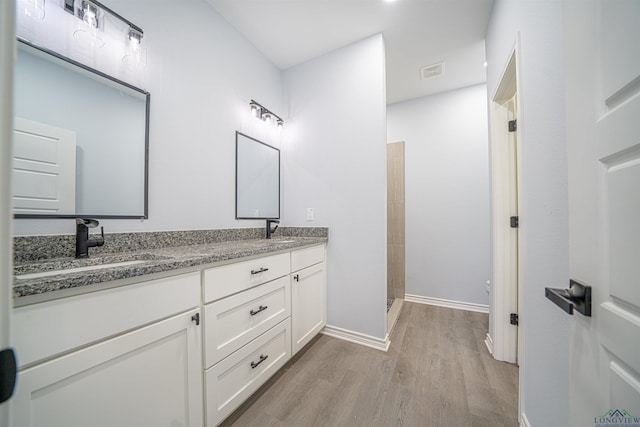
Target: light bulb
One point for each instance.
(90, 14)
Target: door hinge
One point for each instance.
(513, 125)
(8, 373)
(513, 222)
(514, 319)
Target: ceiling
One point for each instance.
(417, 33)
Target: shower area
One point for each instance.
(395, 232)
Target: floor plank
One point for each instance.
(437, 372)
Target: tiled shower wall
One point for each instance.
(395, 220)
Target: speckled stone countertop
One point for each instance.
(148, 261)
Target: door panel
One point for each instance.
(623, 205)
(603, 137)
(619, 32)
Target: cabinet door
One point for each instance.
(148, 377)
(308, 304)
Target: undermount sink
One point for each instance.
(77, 269)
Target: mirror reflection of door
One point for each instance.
(44, 168)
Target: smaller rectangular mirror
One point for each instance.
(257, 179)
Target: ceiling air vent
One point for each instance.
(432, 71)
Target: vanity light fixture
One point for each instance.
(93, 13)
(265, 115)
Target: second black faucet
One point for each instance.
(269, 230)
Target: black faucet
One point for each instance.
(83, 242)
(269, 230)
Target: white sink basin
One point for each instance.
(77, 269)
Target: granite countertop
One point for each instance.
(146, 262)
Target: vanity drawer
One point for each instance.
(304, 258)
(234, 379)
(229, 279)
(232, 322)
(44, 330)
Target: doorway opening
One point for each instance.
(395, 232)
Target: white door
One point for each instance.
(602, 48)
(503, 343)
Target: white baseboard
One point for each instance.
(469, 306)
(488, 341)
(524, 422)
(357, 338)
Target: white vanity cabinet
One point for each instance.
(184, 350)
(252, 310)
(247, 329)
(308, 294)
(128, 356)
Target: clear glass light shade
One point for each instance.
(87, 36)
(134, 37)
(135, 56)
(255, 110)
(89, 13)
(31, 8)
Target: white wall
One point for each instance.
(447, 249)
(334, 159)
(543, 197)
(201, 74)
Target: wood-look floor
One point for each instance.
(437, 372)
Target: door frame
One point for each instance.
(505, 344)
(7, 54)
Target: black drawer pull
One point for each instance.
(262, 270)
(262, 359)
(296, 277)
(261, 308)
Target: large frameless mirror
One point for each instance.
(81, 141)
(257, 179)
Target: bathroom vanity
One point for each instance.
(182, 338)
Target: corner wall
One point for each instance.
(544, 367)
(334, 161)
(447, 188)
